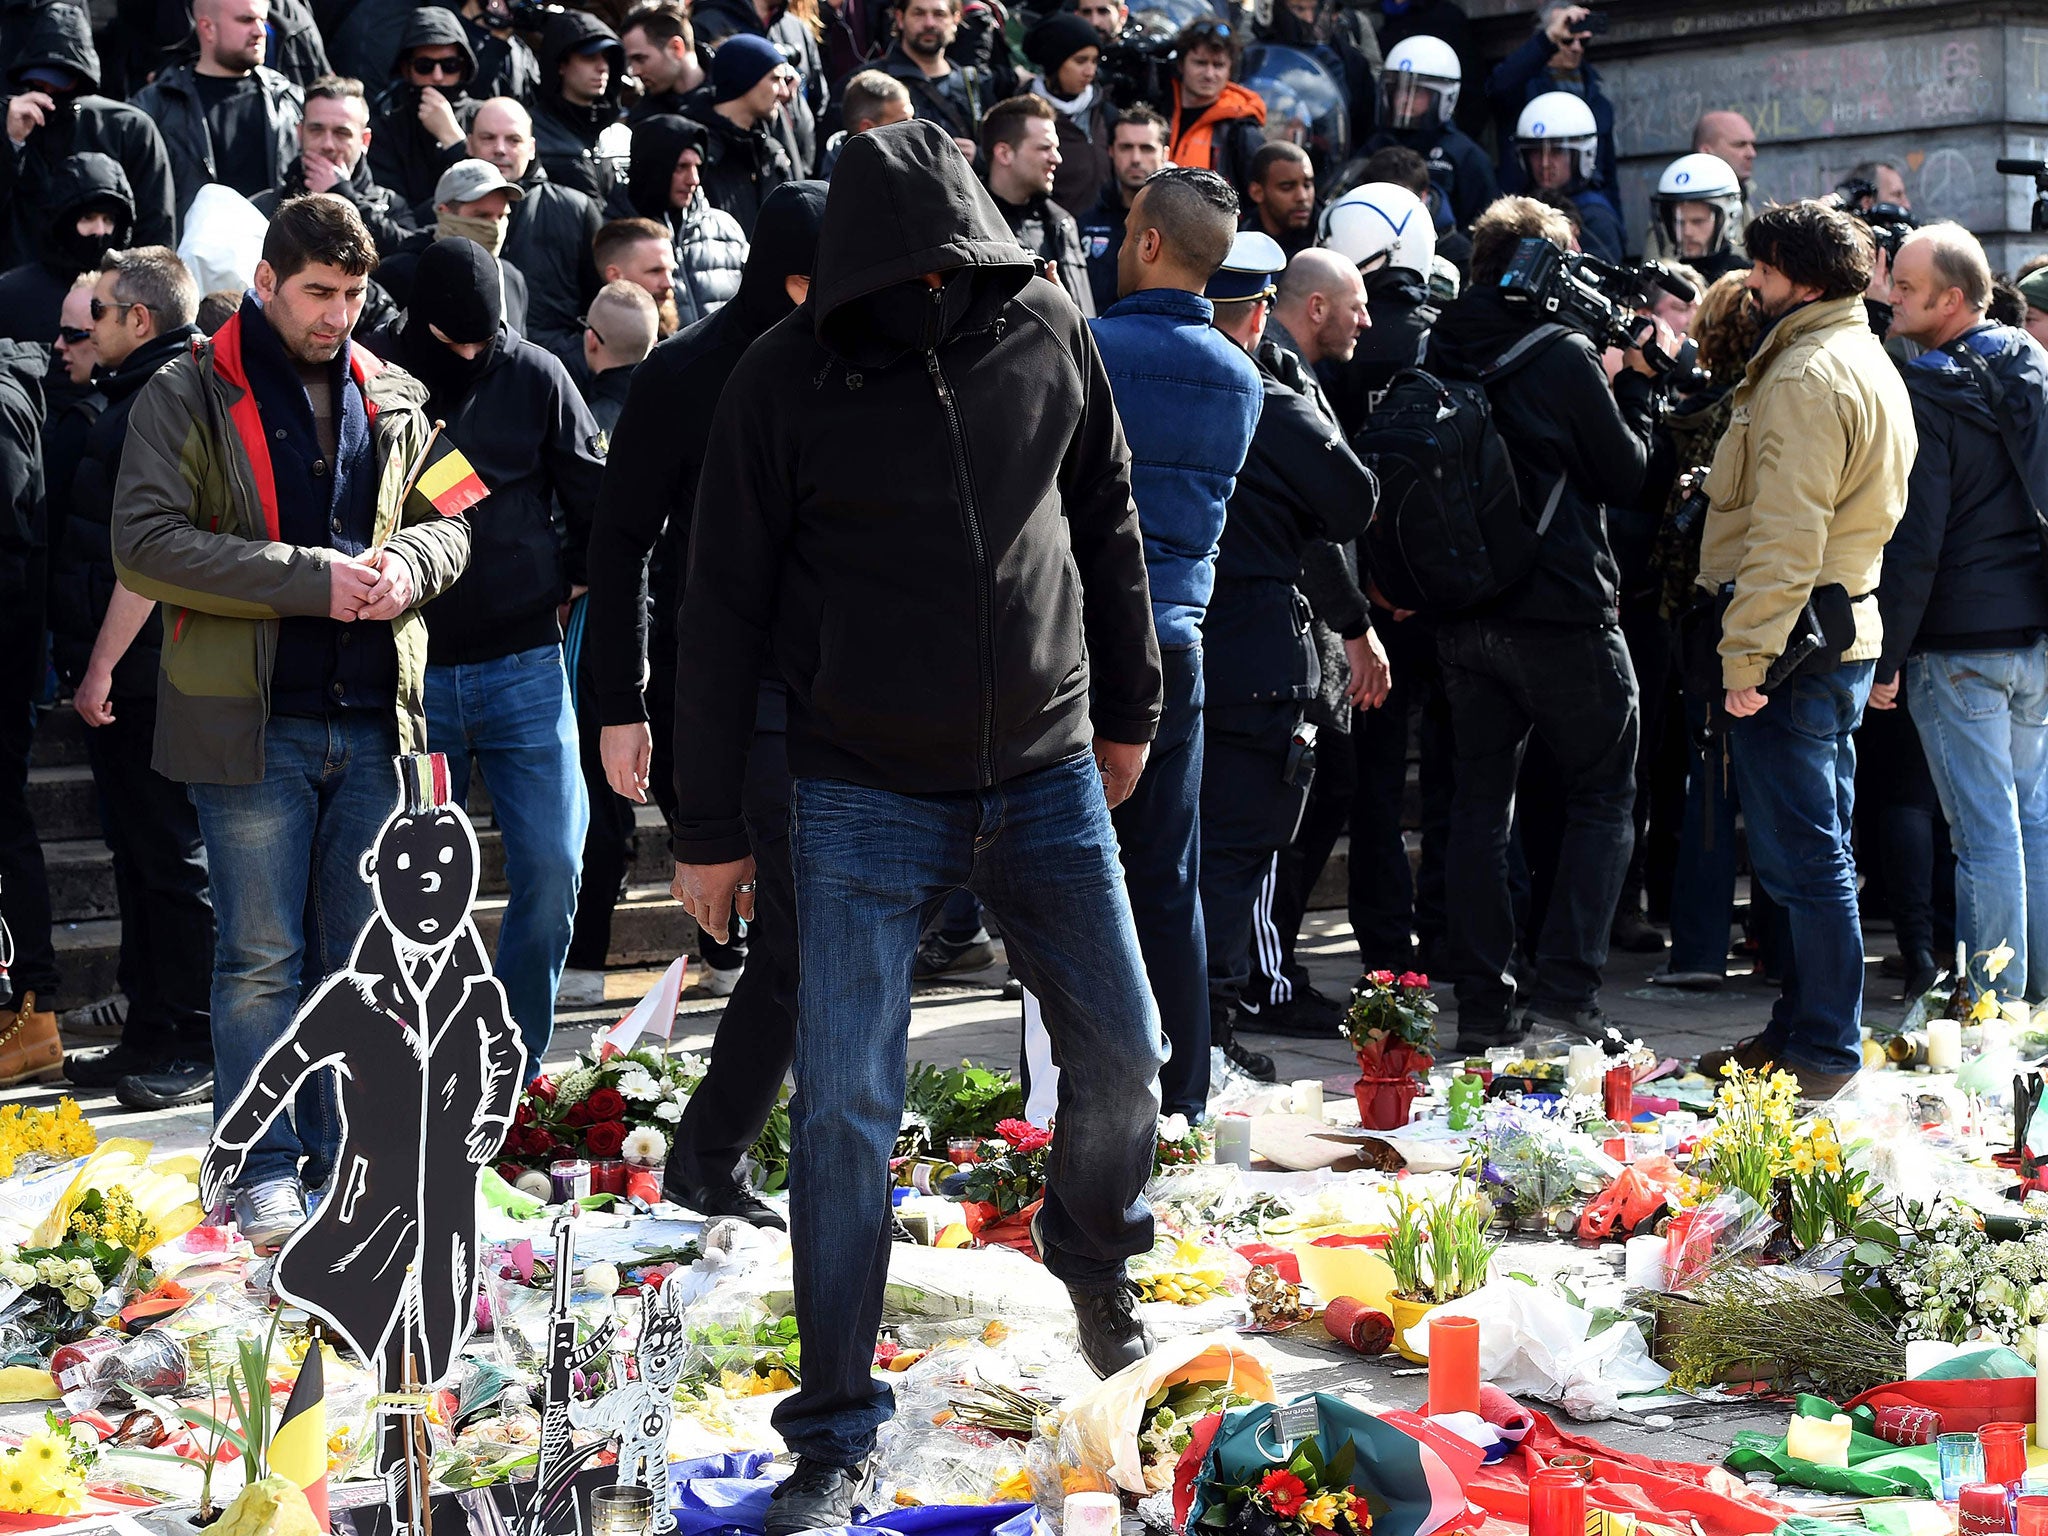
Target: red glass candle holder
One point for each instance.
(1557, 1503)
(1980, 1510)
(1618, 1092)
(2005, 1452)
(2030, 1514)
(607, 1176)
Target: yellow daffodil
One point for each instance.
(1996, 960)
(1986, 1007)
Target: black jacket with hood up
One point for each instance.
(61, 35)
(1557, 416)
(32, 295)
(505, 66)
(23, 534)
(639, 543)
(710, 246)
(565, 135)
(403, 156)
(925, 507)
(172, 99)
(1965, 569)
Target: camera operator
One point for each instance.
(1807, 485)
(1546, 654)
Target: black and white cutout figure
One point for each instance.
(427, 1065)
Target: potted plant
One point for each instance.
(1391, 1025)
(1440, 1249)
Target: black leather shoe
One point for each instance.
(817, 1496)
(168, 1086)
(103, 1069)
(733, 1199)
(1223, 1035)
(1112, 1337)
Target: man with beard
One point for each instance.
(294, 673)
(90, 213)
(951, 95)
(665, 185)
(54, 111)
(334, 141)
(1282, 194)
(472, 202)
(638, 251)
(552, 227)
(498, 698)
(1137, 148)
(225, 117)
(744, 160)
(1020, 146)
(661, 53)
(648, 509)
(420, 116)
(582, 71)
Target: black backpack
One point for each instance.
(1451, 530)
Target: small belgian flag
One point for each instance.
(298, 1447)
(445, 478)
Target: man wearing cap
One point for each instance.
(745, 159)
(472, 201)
(1020, 148)
(1300, 482)
(497, 695)
(1189, 402)
(582, 70)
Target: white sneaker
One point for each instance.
(102, 1019)
(580, 989)
(712, 982)
(270, 1211)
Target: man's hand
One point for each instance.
(1119, 763)
(1744, 702)
(349, 584)
(1885, 695)
(320, 175)
(1564, 24)
(1371, 678)
(1667, 343)
(968, 148)
(394, 590)
(627, 751)
(438, 118)
(711, 893)
(90, 697)
(28, 112)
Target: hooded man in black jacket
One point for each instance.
(666, 184)
(422, 115)
(582, 70)
(1964, 593)
(54, 111)
(90, 212)
(647, 510)
(551, 230)
(505, 66)
(959, 609)
(1546, 654)
(496, 693)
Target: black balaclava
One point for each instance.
(457, 288)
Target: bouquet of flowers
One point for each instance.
(1180, 1144)
(1307, 1497)
(942, 1103)
(49, 1135)
(1391, 1026)
(1825, 1193)
(102, 1247)
(45, 1474)
(1010, 1172)
(1749, 1145)
(1171, 1415)
(1952, 1281)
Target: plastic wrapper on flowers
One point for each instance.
(1707, 1237)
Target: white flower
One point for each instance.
(646, 1145)
(77, 1299)
(1173, 1127)
(668, 1110)
(575, 1087)
(15, 1272)
(638, 1086)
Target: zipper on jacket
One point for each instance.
(977, 550)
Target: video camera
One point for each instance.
(1596, 298)
(1139, 66)
(1889, 223)
(2038, 169)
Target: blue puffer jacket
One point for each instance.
(1189, 400)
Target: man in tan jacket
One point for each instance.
(1806, 487)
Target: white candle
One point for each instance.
(1234, 1141)
(2040, 1384)
(1642, 1265)
(1308, 1097)
(1584, 1068)
(1091, 1514)
(1944, 1044)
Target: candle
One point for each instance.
(2031, 1511)
(1453, 1365)
(1642, 1265)
(1234, 1141)
(2005, 1452)
(1980, 1510)
(1944, 1044)
(1680, 1126)
(1557, 1503)
(1308, 1096)
(1091, 1514)
(1824, 1442)
(2040, 1384)
(571, 1177)
(1584, 1068)
(1961, 1460)
(607, 1176)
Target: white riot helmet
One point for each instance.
(1415, 65)
(1562, 119)
(1379, 225)
(1700, 178)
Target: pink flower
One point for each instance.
(1023, 1136)
(1415, 981)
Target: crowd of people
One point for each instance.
(964, 470)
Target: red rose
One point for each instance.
(1023, 1136)
(542, 1088)
(509, 1172)
(1415, 981)
(579, 1117)
(538, 1142)
(605, 1139)
(523, 1115)
(607, 1104)
(1380, 978)
(1285, 1492)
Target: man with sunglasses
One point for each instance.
(226, 117)
(423, 114)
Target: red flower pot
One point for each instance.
(1384, 1102)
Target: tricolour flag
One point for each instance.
(298, 1447)
(448, 480)
(654, 1014)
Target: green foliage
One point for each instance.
(942, 1103)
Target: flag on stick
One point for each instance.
(298, 1449)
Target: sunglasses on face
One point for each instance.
(101, 309)
(448, 67)
(73, 335)
(584, 321)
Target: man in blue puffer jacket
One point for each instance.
(1190, 403)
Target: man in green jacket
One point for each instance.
(270, 497)
(1807, 485)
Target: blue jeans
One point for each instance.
(1795, 774)
(1040, 854)
(1983, 717)
(1703, 884)
(289, 900)
(514, 718)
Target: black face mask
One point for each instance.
(82, 253)
(448, 375)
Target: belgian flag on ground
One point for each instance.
(298, 1448)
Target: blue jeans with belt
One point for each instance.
(1039, 853)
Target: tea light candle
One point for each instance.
(1308, 1096)
(1234, 1141)
(1091, 1514)
(1944, 1044)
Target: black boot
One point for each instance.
(817, 1496)
(1223, 1035)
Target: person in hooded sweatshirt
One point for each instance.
(958, 607)
(744, 160)
(549, 238)
(422, 115)
(53, 111)
(582, 70)
(496, 693)
(90, 213)
(639, 554)
(226, 116)
(665, 183)
(334, 142)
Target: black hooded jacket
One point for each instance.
(1965, 569)
(711, 248)
(296, 50)
(82, 569)
(1557, 416)
(388, 219)
(403, 156)
(549, 241)
(741, 165)
(396, 272)
(565, 135)
(505, 66)
(172, 99)
(62, 35)
(22, 530)
(32, 295)
(925, 507)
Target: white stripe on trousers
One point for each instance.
(1266, 939)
